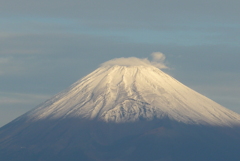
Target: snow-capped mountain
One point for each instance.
(120, 93)
(126, 107)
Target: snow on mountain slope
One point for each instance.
(127, 93)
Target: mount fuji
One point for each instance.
(124, 111)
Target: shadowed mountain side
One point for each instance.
(78, 139)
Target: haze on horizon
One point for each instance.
(47, 45)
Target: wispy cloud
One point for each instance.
(158, 60)
(20, 51)
(9, 65)
(21, 98)
(13, 104)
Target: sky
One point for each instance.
(47, 45)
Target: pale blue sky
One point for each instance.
(45, 46)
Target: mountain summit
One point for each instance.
(125, 104)
(127, 93)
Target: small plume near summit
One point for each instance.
(158, 60)
(131, 61)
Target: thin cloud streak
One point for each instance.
(9, 66)
(20, 98)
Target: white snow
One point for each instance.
(129, 92)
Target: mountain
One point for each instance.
(124, 111)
